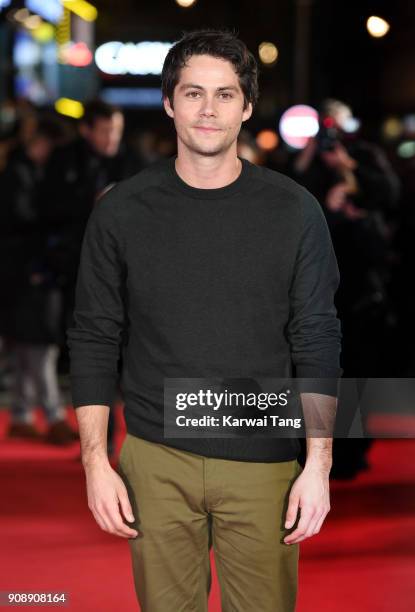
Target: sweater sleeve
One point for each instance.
(313, 330)
(95, 337)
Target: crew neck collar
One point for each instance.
(237, 186)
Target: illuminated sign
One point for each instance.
(51, 10)
(138, 97)
(128, 58)
(298, 124)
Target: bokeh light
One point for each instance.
(267, 140)
(185, 3)
(298, 124)
(69, 108)
(377, 27)
(392, 128)
(268, 53)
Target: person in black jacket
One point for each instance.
(32, 324)
(78, 174)
(358, 190)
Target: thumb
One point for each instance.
(126, 506)
(291, 512)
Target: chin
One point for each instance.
(209, 151)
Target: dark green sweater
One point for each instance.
(236, 281)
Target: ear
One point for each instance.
(167, 107)
(247, 112)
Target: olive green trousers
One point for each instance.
(184, 504)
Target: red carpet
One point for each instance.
(363, 560)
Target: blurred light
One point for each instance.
(26, 52)
(267, 140)
(328, 122)
(44, 33)
(298, 124)
(392, 128)
(121, 58)
(377, 27)
(407, 149)
(83, 9)
(51, 10)
(4, 3)
(185, 3)
(75, 54)
(70, 108)
(21, 15)
(351, 124)
(139, 97)
(268, 53)
(409, 124)
(63, 29)
(33, 22)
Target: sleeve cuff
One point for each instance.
(93, 391)
(318, 380)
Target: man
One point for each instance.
(358, 191)
(205, 265)
(32, 327)
(77, 176)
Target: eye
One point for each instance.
(192, 94)
(226, 96)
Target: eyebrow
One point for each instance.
(195, 86)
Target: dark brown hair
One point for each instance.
(98, 109)
(217, 43)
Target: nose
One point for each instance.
(208, 108)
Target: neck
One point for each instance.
(208, 172)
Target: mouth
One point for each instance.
(206, 129)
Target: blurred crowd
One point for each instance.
(52, 173)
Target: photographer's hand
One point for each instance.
(339, 159)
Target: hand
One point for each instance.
(106, 490)
(336, 197)
(338, 158)
(310, 492)
(354, 212)
(306, 155)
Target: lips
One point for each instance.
(206, 128)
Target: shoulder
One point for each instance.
(128, 190)
(119, 200)
(283, 188)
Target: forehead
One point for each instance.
(205, 70)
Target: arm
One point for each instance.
(94, 344)
(314, 334)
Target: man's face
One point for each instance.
(105, 134)
(208, 106)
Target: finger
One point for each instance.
(306, 516)
(309, 532)
(125, 504)
(321, 521)
(301, 528)
(292, 511)
(313, 527)
(117, 525)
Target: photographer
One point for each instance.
(358, 190)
